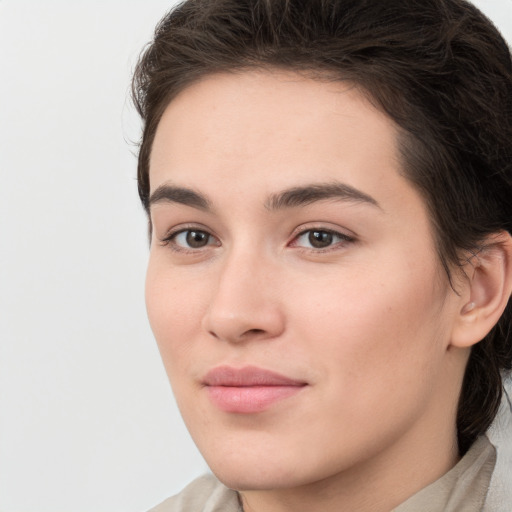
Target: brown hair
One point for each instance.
(438, 68)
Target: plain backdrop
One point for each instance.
(87, 419)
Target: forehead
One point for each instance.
(264, 131)
(270, 105)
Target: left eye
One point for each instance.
(320, 239)
(192, 239)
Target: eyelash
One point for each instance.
(170, 239)
(343, 239)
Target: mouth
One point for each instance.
(248, 390)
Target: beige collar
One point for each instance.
(464, 487)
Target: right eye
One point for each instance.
(190, 239)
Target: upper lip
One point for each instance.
(246, 377)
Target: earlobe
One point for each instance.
(488, 290)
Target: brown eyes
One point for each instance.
(196, 239)
(191, 239)
(320, 239)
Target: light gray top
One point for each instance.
(204, 494)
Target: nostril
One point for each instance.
(244, 336)
(254, 331)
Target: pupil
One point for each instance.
(197, 239)
(320, 239)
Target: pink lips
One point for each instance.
(249, 389)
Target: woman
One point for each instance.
(328, 187)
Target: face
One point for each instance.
(293, 285)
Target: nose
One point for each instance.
(245, 304)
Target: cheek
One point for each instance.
(376, 332)
(174, 306)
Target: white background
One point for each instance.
(87, 420)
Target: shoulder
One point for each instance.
(500, 435)
(205, 494)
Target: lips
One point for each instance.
(248, 390)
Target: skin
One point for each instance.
(365, 322)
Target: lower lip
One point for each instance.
(250, 399)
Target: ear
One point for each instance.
(486, 291)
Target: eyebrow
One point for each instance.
(172, 194)
(289, 198)
(304, 195)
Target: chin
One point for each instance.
(266, 470)
(254, 479)
(257, 471)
